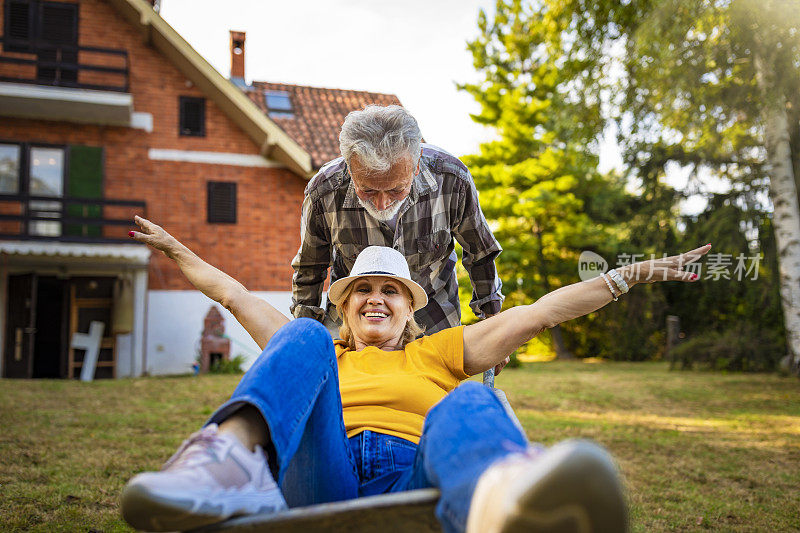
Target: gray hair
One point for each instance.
(380, 136)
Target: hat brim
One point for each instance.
(339, 287)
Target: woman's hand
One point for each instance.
(259, 318)
(488, 342)
(155, 236)
(663, 269)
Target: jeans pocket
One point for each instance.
(401, 453)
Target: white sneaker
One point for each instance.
(571, 487)
(210, 478)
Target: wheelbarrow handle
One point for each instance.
(488, 378)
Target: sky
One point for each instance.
(415, 49)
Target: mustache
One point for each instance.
(380, 214)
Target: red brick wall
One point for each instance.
(258, 249)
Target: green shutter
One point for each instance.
(85, 181)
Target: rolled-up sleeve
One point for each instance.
(480, 251)
(311, 263)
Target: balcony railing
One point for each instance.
(67, 219)
(84, 67)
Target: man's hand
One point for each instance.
(501, 366)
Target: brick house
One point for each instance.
(105, 111)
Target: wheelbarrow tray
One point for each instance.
(411, 510)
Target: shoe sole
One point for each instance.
(146, 510)
(573, 488)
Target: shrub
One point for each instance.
(738, 348)
(229, 366)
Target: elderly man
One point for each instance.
(389, 189)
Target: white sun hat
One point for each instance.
(375, 261)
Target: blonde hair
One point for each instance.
(410, 333)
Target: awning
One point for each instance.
(135, 254)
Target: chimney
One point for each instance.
(237, 56)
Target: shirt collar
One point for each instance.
(350, 199)
(424, 182)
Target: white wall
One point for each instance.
(124, 352)
(175, 323)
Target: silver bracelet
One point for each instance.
(616, 277)
(608, 284)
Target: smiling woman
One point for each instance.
(315, 421)
(380, 305)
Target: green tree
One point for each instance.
(713, 85)
(539, 184)
(733, 322)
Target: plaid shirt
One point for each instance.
(442, 204)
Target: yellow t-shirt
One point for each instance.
(391, 391)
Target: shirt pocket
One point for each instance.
(345, 258)
(432, 248)
(401, 453)
(349, 252)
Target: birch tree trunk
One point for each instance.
(794, 146)
(786, 211)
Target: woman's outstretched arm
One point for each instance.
(488, 342)
(259, 318)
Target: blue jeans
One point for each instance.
(295, 386)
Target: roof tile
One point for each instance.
(318, 114)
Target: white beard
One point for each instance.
(381, 215)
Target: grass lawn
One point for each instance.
(697, 450)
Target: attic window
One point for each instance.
(221, 202)
(192, 116)
(279, 104)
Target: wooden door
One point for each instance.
(20, 326)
